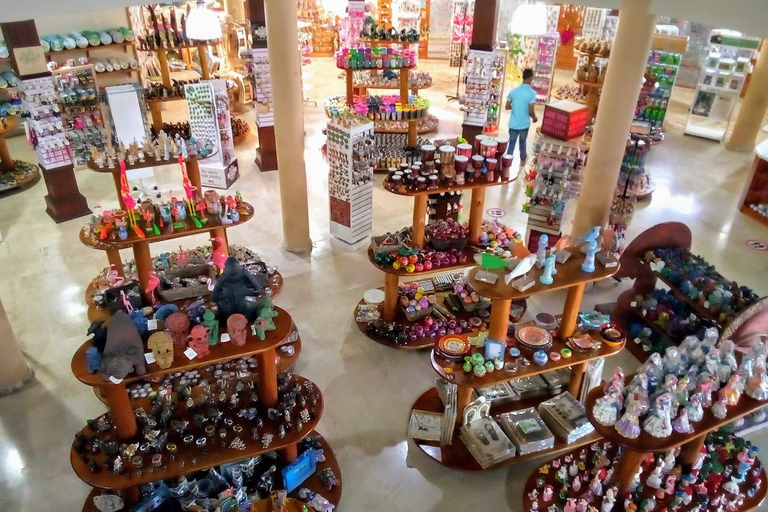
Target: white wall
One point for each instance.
(96, 20)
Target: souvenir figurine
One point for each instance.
(570, 505)
(669, 462)
(757, 387)
(581, 505)
(547, 495)
(596, 485)
(720, 408)
(237, 328)
(607, 408)
(576, 485)
(658, 423)
(210, 322)
(549, 270)
(589, 261)
(573, 469)
(731, 391)
(124, 349)
(92, 359)
(609, 499)
(695, 411)
(198, 341)
(728, 363)
(629, 424)
(178, 325)
(541, 253)
(161, 345)
(670, 484)
(654, 480)
(265, 320)
(234, 291)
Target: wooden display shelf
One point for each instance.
(29, 180)
(285, 363)
(312, 483)
(11, 121)
(190, 458)
(96, 313)
(89, 48)
(149, 161)
(568, 274)
(468, 251)
(457, 375)
(593, 85)
(441, 189)
(646, 443)
(457, 456)
(533, 483)
(420, 128)
(697, 308)
(246, 213)
(219, 353)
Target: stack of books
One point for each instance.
(566, 416)
(527, 430)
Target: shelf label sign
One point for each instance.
(496, 213)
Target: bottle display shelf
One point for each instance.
(468, 251)
(646, 443)
(245, 210)
(283, 362)
(457, 456)
(452, 370)
(568, 274)
(402, 191)
(535, 482)
(220, 353)
(312, 483)
(149, 161)
(95, 313)
(190, 458)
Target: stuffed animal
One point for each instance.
(178, 325)
(198, 341)
(124, 350)
(161, 345)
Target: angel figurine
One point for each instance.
(705, 389)
(638, 390)
(629, 424)
(654, 369)
(658, 423)
(607, 408)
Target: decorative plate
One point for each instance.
(453, 345)
(612, 333)
(534, 338)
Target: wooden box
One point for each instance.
(564, 119)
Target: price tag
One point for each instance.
(633, 304)
(152, 325)
(224, 337)
(114, 380)
(149, 357)
(190, 353)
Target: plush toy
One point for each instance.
(124, 350)
(233, 289)
(178, 325)
(198, 341)
(237, 326)
(161, 345)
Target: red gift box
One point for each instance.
(564, 119)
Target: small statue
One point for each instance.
(609, 499)
(607, 408)
(237, 328)
(541, 254)
(328, 478)
(198, 341)
(209, 321)
(161, 345)
(658, 422)
(265, 321)
(178, 325)
(124, 350)
(234, 291)
(589, 260)
(549, 270)
(654, 480)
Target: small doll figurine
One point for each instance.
(654, 480)
(547, 495)
(576, 483)
(757, 387)
(629, 424)
(607, 408)
(609, 500)
(670, 484)
(570, 505)
(705, 389)
(581, 505)
(669, 462)
(681, 423)
(616, 382)
(596, 485)
(728, 363)
(573, 469)
(673, 362)
(731, 391)
(562, 475)
(658, 422)
(695, 411)
(720, 408)
(534, 506)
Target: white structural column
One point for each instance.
(618, 100)
(14, 372)
(753, 107)
(285, 70)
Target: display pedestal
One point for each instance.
(64, 201)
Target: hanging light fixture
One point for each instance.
(529, 19)
(203, 24)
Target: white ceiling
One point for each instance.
(747, 16)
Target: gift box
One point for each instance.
(564, 119)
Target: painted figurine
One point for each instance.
(589, 260)
(161, 345)
(549, 270)
(210, 322)
(237, 328)
(198, 341)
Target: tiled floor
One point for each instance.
(368, 388)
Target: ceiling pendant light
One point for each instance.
(203, 24)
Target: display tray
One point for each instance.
(457, 456)
(533, 483)
(593, 85)
(285, 363)
(423, 343)
(568, 274)
(646, 443)
(246, 213)
(219, 353)
(439, 190)
(23, 183)
(457, 375)
(149, 161)
(312, 483)
(96, 313)
(469, 251)
(191, 458)
(752, 214)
